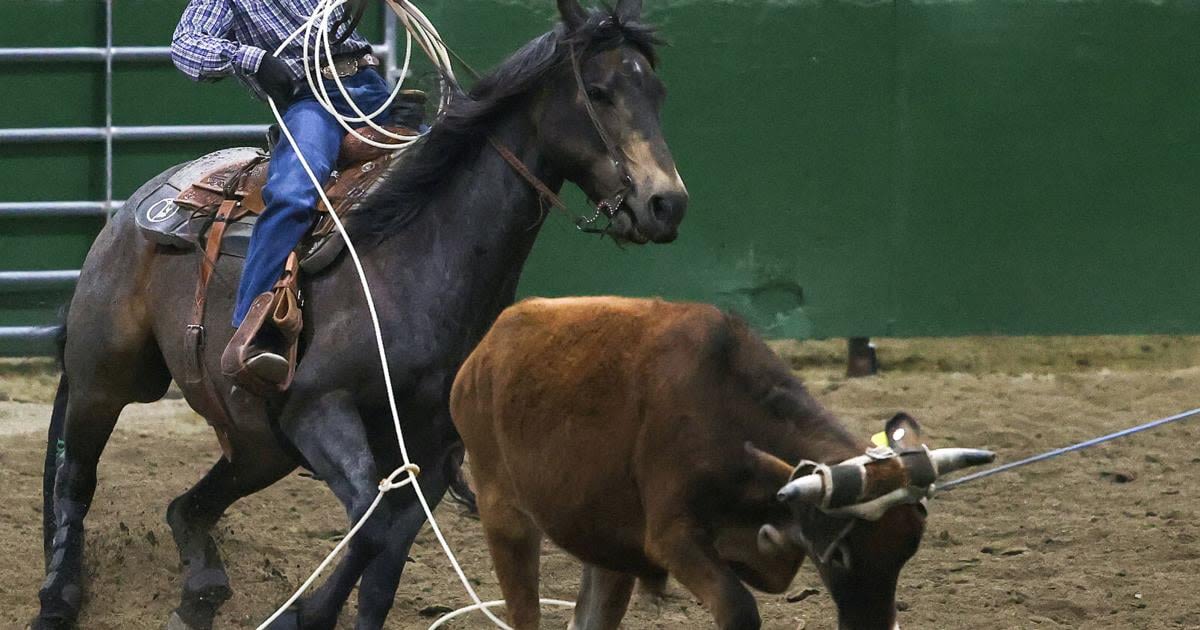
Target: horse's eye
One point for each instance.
(599, 95)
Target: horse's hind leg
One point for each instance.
(109, 364)
(89, 422)
(193, 514)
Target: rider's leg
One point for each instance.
(290, 198)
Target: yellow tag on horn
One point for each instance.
(879, 439)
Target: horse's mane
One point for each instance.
(464, 124)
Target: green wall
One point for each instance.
(907, 169)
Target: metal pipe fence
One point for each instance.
(19, 340)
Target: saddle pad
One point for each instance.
(179, 212)
(164, 221)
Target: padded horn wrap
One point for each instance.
(848, 485)
(920, 467)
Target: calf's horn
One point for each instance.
(948, 460)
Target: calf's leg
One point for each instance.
(515, 542)
(690, 556)
(603, 598)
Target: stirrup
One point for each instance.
(267, 371)
(269, 367)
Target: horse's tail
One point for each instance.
(54, 449)
(460, 490)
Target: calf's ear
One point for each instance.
(767, 466)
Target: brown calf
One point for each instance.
(629, 432)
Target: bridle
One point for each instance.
(606, 208)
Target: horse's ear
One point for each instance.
(572, 13)
(629, 10)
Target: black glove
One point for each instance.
(276, 80)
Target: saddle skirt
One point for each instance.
(181, 211)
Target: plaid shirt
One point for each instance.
(220, 38)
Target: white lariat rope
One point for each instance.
(416, 24)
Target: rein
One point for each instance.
(606, 208)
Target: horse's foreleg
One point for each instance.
(193, 514)
(328, 431)
(89, 423)
(377, 591)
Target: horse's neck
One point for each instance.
(475, 234)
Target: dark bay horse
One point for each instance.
(443, 240)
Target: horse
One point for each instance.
(444, 237)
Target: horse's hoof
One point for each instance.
(50, 623)
(176, 622)
(60, 605)
(198, 608)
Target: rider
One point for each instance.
(220, 38)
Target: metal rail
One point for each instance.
(143, 133)
(56, 209)
(29, 281)
(27, 341)
(100, 54)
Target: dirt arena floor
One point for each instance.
(1107, 538)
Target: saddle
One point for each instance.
(181, 213)
(213, 203)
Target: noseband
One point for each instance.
(607, 207)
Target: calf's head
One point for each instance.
(862, 519)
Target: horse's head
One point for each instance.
(598, 119)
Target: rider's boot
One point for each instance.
(261, 356)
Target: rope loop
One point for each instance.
(389, 483)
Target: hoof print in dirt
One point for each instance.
(1117, 476)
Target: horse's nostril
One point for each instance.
(669, 208)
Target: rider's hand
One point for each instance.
(276, 80)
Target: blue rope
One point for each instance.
(1066, 449)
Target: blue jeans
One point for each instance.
(289, 195)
